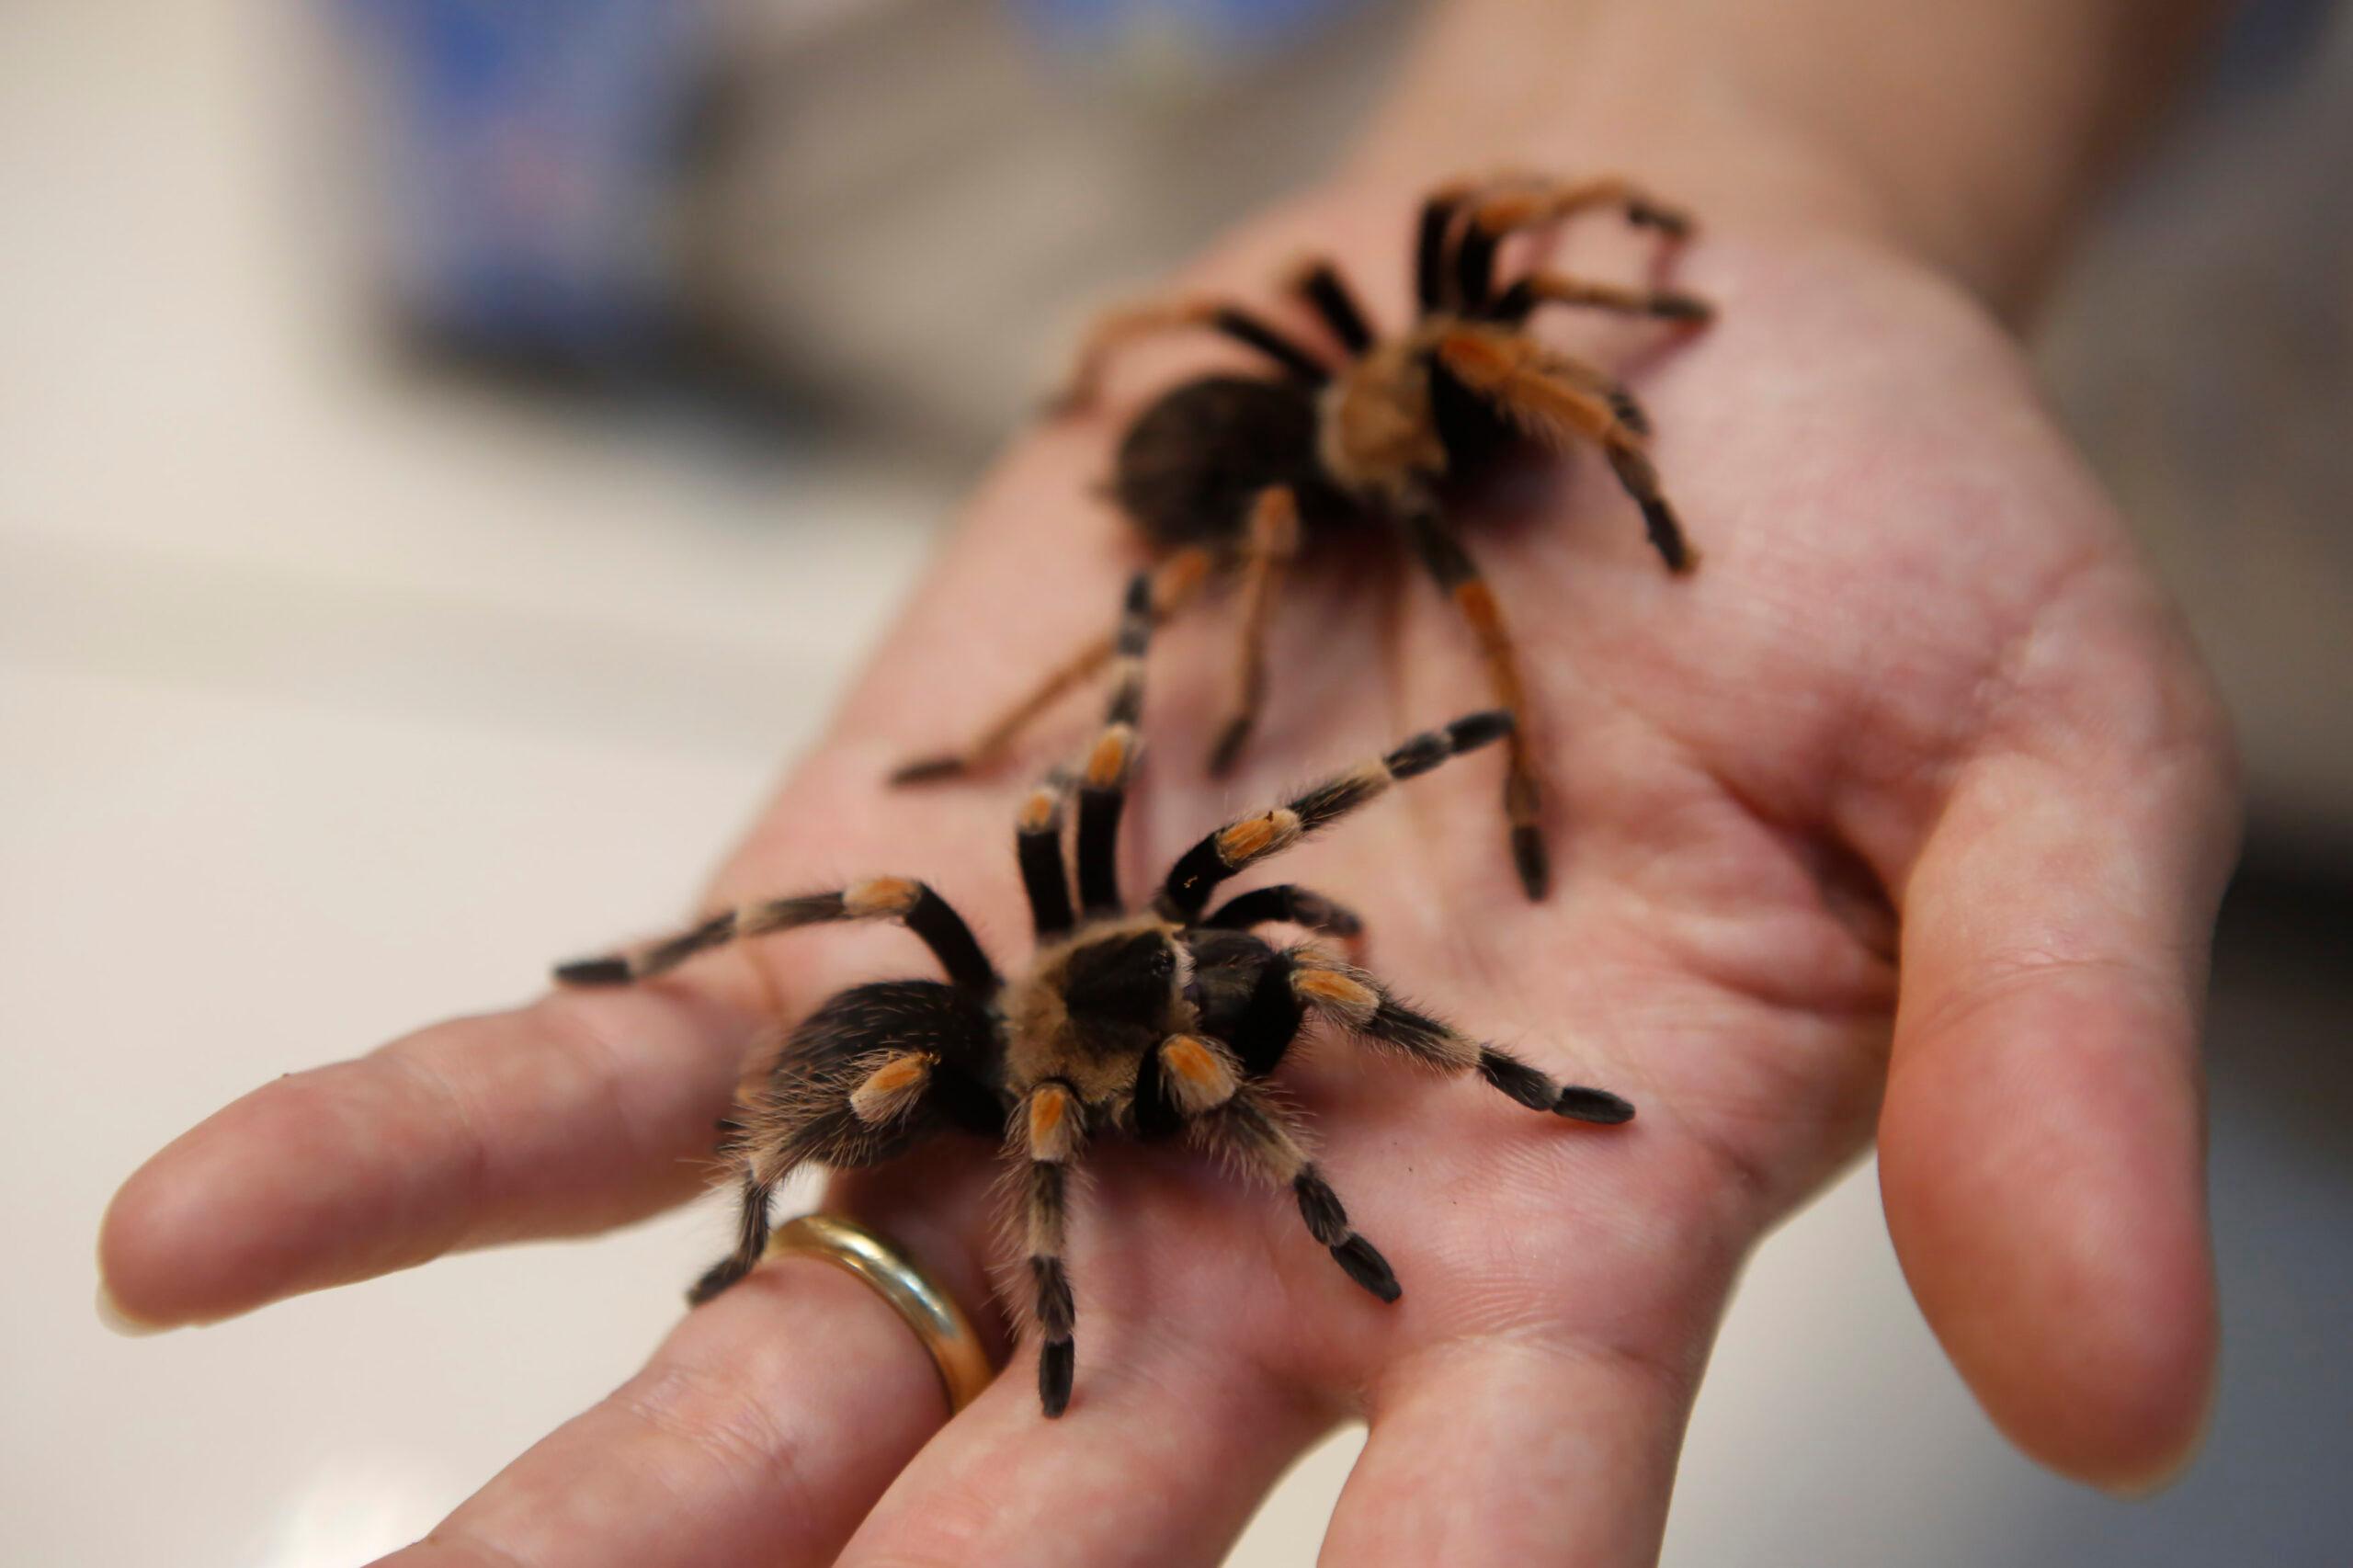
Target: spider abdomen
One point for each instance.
(1192, 463)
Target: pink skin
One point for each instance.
(1919, 655)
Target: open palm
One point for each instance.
(1907, 810)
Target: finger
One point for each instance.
(759, 1433)
(1160, 1460)
(1514, 1451)
(1176, 1430)
(2042, 1143)
(566, 1117)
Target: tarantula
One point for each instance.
(1219, 473)
(1139, 1024)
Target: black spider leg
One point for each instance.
(1474, 266)
(1117, 330)
(753, 1221)
(1253, 1129)
(1328, 295)
(1051, 1132)
(1431, 250)
(1244, 328)
(1516, 303)
(1484, 229)
(912, 904)
(1288, 902)
(1557, 400)
(1362, 1005)
(1038, 842)
(1246, 842)
(1103, 783)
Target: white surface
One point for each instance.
(330, 705)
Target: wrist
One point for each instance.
(1962, 140)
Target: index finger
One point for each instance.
(572, 1115)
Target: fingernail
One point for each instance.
(111, 1314)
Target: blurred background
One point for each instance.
(432, 430)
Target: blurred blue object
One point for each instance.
(526, 154)
(1208, 32)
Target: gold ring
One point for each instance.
(938, 1322)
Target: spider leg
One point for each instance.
(1516, 303)
(1103, 781)
(1318, 282)
(1273, 543)
(1513, 206)
(1247, 840)
(876, 1069)
(1175, 582)
(1285, 902)
(1245, 1121)
(1538, 390)
(1357, 1002)
(1051, 1134)
(1447, 562)
(1433, 245)
(1603, 385)
(1038, 844)
(911, 903)
(782, 1141)
(1119, 328)
(753, 1221)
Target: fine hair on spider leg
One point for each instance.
(1354, 1000)
(1260, 1138)
(1247, 840)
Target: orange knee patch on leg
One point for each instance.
(1199, 1074)
(891, 1090)
(1342, 994)
(1108, 762)
(879, 896)
(1502, 214)
(1252, 837)
(1053, 1123)
(1039, 810)
(1477, 358)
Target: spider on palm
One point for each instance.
(1135, 1025)
(1219, 473)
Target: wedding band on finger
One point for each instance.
(939, 1324)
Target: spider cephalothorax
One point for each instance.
(1221, 472)
(1124, 1024)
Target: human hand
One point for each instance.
(1916, 763)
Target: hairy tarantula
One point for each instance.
(1133, 1024)
(1221, 472)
